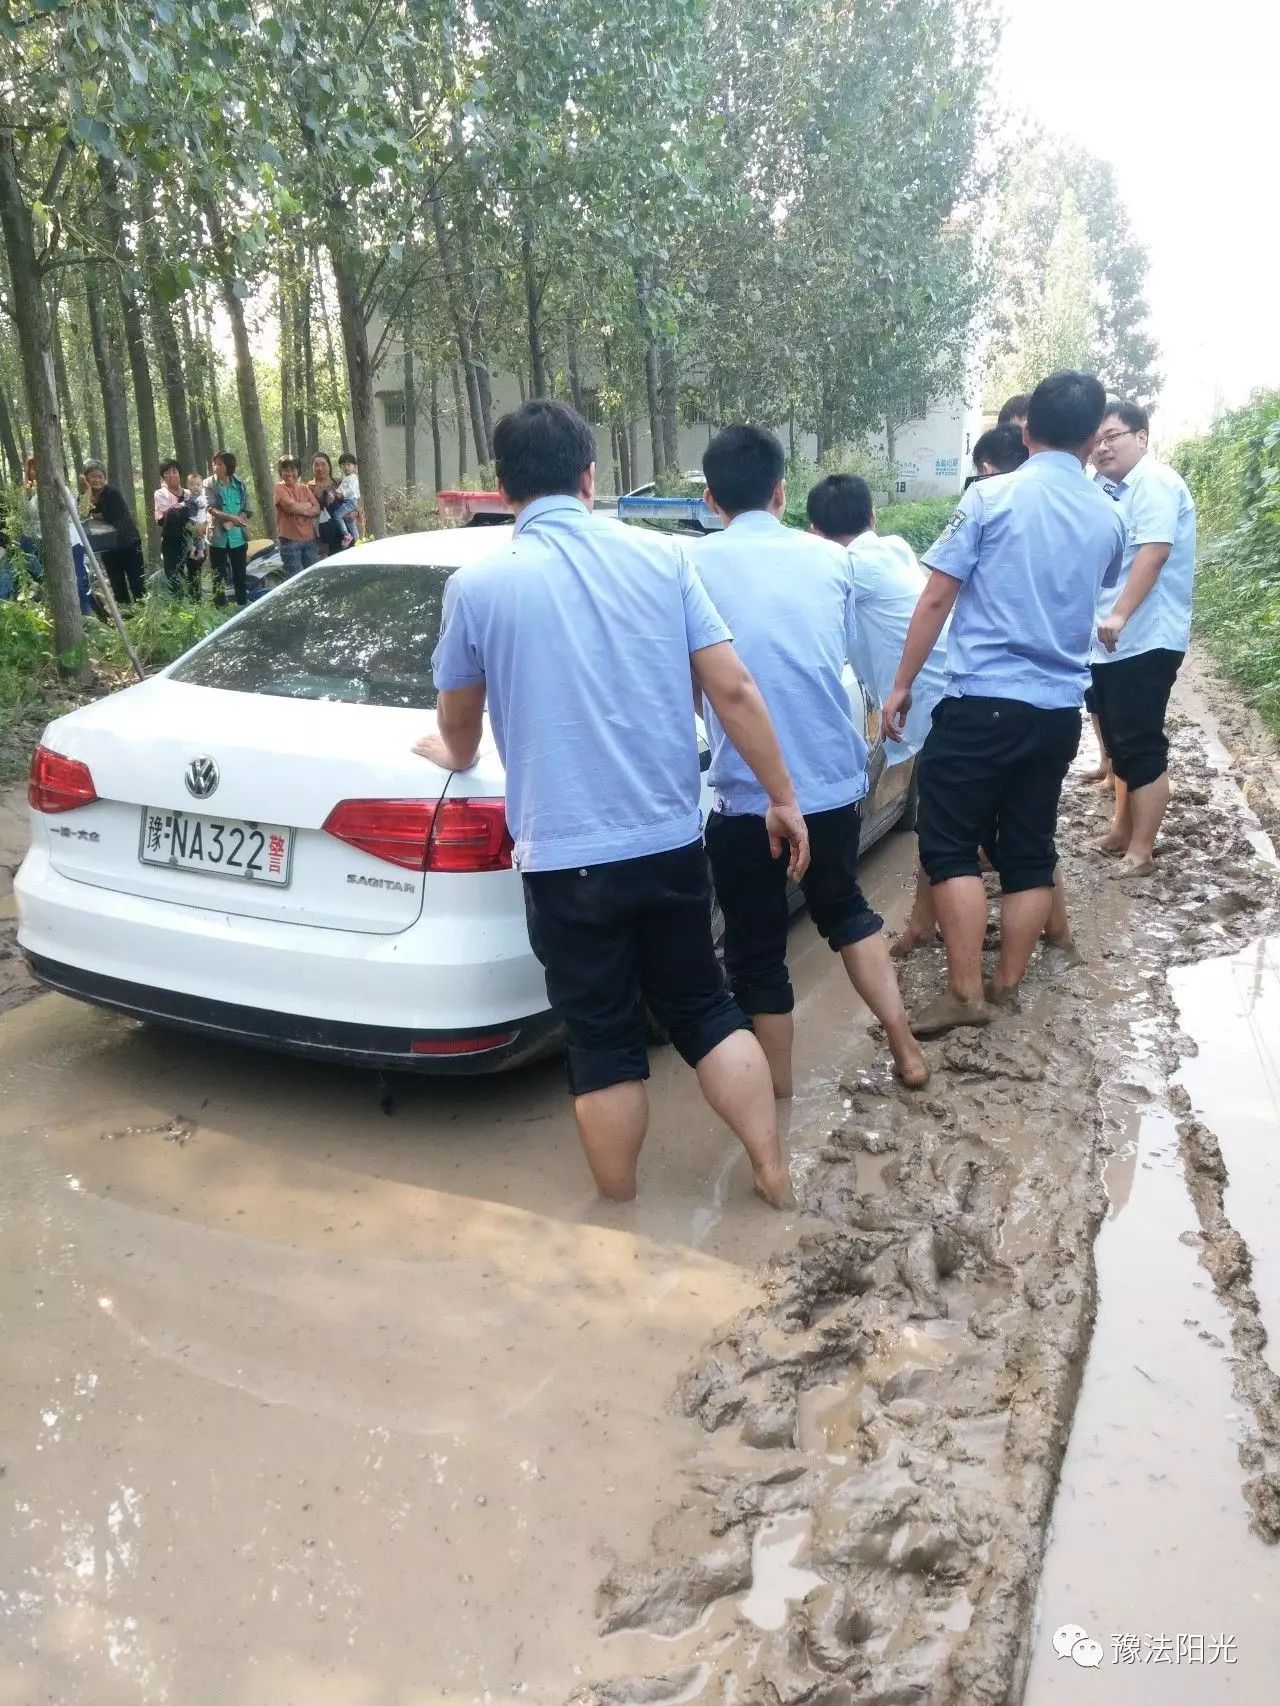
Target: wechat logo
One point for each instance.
(1071, 1641)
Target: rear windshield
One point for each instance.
(363, 635)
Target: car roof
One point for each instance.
(450, 547)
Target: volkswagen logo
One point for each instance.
(201, 777)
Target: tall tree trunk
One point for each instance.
(521, 387)
(305, 444)
(87, 382)
(8, 440)
(615, 454)
(135, 343)
(460, 418)
(633, 455)
(891, 449)
(669, 399)
(437, 448)
(288, 443)
(475, 368)
(246, 379)
(330, 359)
(212, 372)
(307, 374)
(144, 399)
(355, 344)
(461, 331)
(650, 372)
(115, 408)
(410, 421)
(573, 362)
(791, 431)
(31, 319)
(165, 337)
(197, 403)
(627, 455)
(71, 427)
(539, 383)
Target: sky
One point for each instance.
(1182, 97)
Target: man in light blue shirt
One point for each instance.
(789, 599)
(1144, 626)
(581, 635)
(1021, 565)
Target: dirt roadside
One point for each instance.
(16, 983)
(885, 1431)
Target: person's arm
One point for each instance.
(723, 678)
(461, 689)
(1144, 572)
(459, 726)
(296, 500)
(935, 604)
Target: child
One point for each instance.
(197, 532)
(349, 486)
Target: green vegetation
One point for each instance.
(1234, 475)
(33, 689)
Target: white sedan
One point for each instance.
(245, 845)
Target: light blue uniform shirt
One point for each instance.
(789, 599)
(1032, 550)
(581, 629)
(887, 583)
(1158, 510)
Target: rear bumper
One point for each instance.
(478, 1049)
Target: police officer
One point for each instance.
(789, 599)
(580, 634)
(1020, 565)
(1144, 626)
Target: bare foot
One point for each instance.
(1001, 995)
(1114, 846)
(947, 1011)
(1133, 868)
(773, 1185)
(910, 1067)
(908, 941)
(1101, 774)
(1065, 948)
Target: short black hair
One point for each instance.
(228, 458)
(841, 506)
(1003, 446)
(1134, 416)
(170, 462)
(347, 460)
(1015, 409)
(1066, 410)
(742, 466)
(284, 462)
(542, 449)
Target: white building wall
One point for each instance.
(932, 452)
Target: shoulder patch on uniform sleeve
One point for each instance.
(953, 526)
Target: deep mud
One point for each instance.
(901, 1398)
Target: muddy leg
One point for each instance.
(871, 974)
(1118, 837)
(735, 1080)
(923, 921)
(612, 1125)
(1103, 771)
(1022, 918)
(1147, 806)
(775, 1033)
(961, 904)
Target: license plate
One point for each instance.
(217, 846)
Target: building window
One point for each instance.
(393, 408)
(920, 406)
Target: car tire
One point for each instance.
(909, 816)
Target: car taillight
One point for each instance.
(421, 835)
(394, 830)
(58, 784)
(470, 835)
(462, 1045)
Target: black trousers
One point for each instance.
(991, 774)
(229, 564)
(614, 936)
(751, 887)
(126, 572)
(1133, 700)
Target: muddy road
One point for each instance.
(306, 1402)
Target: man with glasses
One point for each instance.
(1144, 624)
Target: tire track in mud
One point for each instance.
(901, 1398)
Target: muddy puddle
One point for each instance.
(305, 1403)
